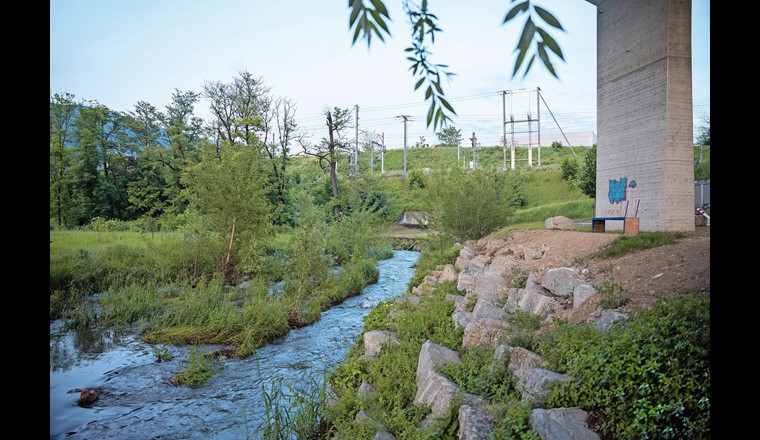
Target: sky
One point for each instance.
(119, 52)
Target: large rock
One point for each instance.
(383, 435)
(460, 302)
(448, 274)
(604, 322)
(538, 385)
(474, 424)
(581, 293)
(463, 260)
(522, 362)
(491, 285)
(485, 309)
(375, 339)
(461, 319)
(483, 332)
(365, 389)
(433, 356)
(87, 397)
(559, 222)
(561, 424)
(561, 281)
(435, 391)
(530, 301)
(466, 280)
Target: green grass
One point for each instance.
(643, 240)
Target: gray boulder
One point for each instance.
(383, 435)
(460, 302)
(491, 285)
(604, 322)
(365, 389)
(538, 385)
(435, 391)
(375, 339)
(483, 332)
(448, 274)
(581, 293)
(461, 319)
(561, 424)
(466, 280)
(485, 309)
(474, 424)
(559, 222)
(561, 281)
(432, 356)
(522, 362)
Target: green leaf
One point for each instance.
(379, 20)
(428, 93)
(522, 7)
(530, 63)
(356, 34)
(548, 17)
(529, 30)
(545, 59)
(355, 12)
(550, 42)
(447, 105)
(419, 83)
(437, 85)
(380, 7)
(518, 61)
(430, 113)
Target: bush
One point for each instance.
(648, 378)
(570, 168)
(587, 182)
(557, 144)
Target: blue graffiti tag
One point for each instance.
(617, 190)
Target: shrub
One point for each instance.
(570, 168)
(648, 378)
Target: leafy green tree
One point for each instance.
(587, 182)
(469, 206)
(569, 168)
(449, 136)
(63, 111)
(369, 19)
(704, 131)
(228, 187)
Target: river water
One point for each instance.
(137, 401)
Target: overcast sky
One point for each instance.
(119, 52)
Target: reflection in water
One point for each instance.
(137, 400)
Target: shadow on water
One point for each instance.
(137, 400)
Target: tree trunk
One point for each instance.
(333, 162)
(232, 237)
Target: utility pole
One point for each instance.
(504, 125)
(406, 118)
(356, 152)
(538, 122)
(382, 154)
(474, 151)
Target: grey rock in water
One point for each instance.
(561, 281)
(559, 222)
(474, 424)
(561, 424)
(606, 320)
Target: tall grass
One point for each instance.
(643, 240)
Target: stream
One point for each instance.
(138, 402)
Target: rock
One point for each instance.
(433, 356)
(483, 332)
(581, 293)
(605, 321)
(561, 424)
(449, 274)
(87, 397)
(460, 302)
(559, 222)
(463, 260)
(466, 280)
(383, 435)
(244, 285)
(436, 391)
(473, 424)
(365, 389)
(485, 309)
(560, 281)
(538, 385)
(331, 397)
(461, 319)
(532, 254)
(521, 363)
(362, 415)
(490, 284)
(375, 339)
(530, 301)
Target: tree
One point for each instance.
(449, 136)
(703, 138)
(63, 111)
(588, 174)
(329, 149)
(367, 20)
(229, 188)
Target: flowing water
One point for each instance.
(137, 401)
